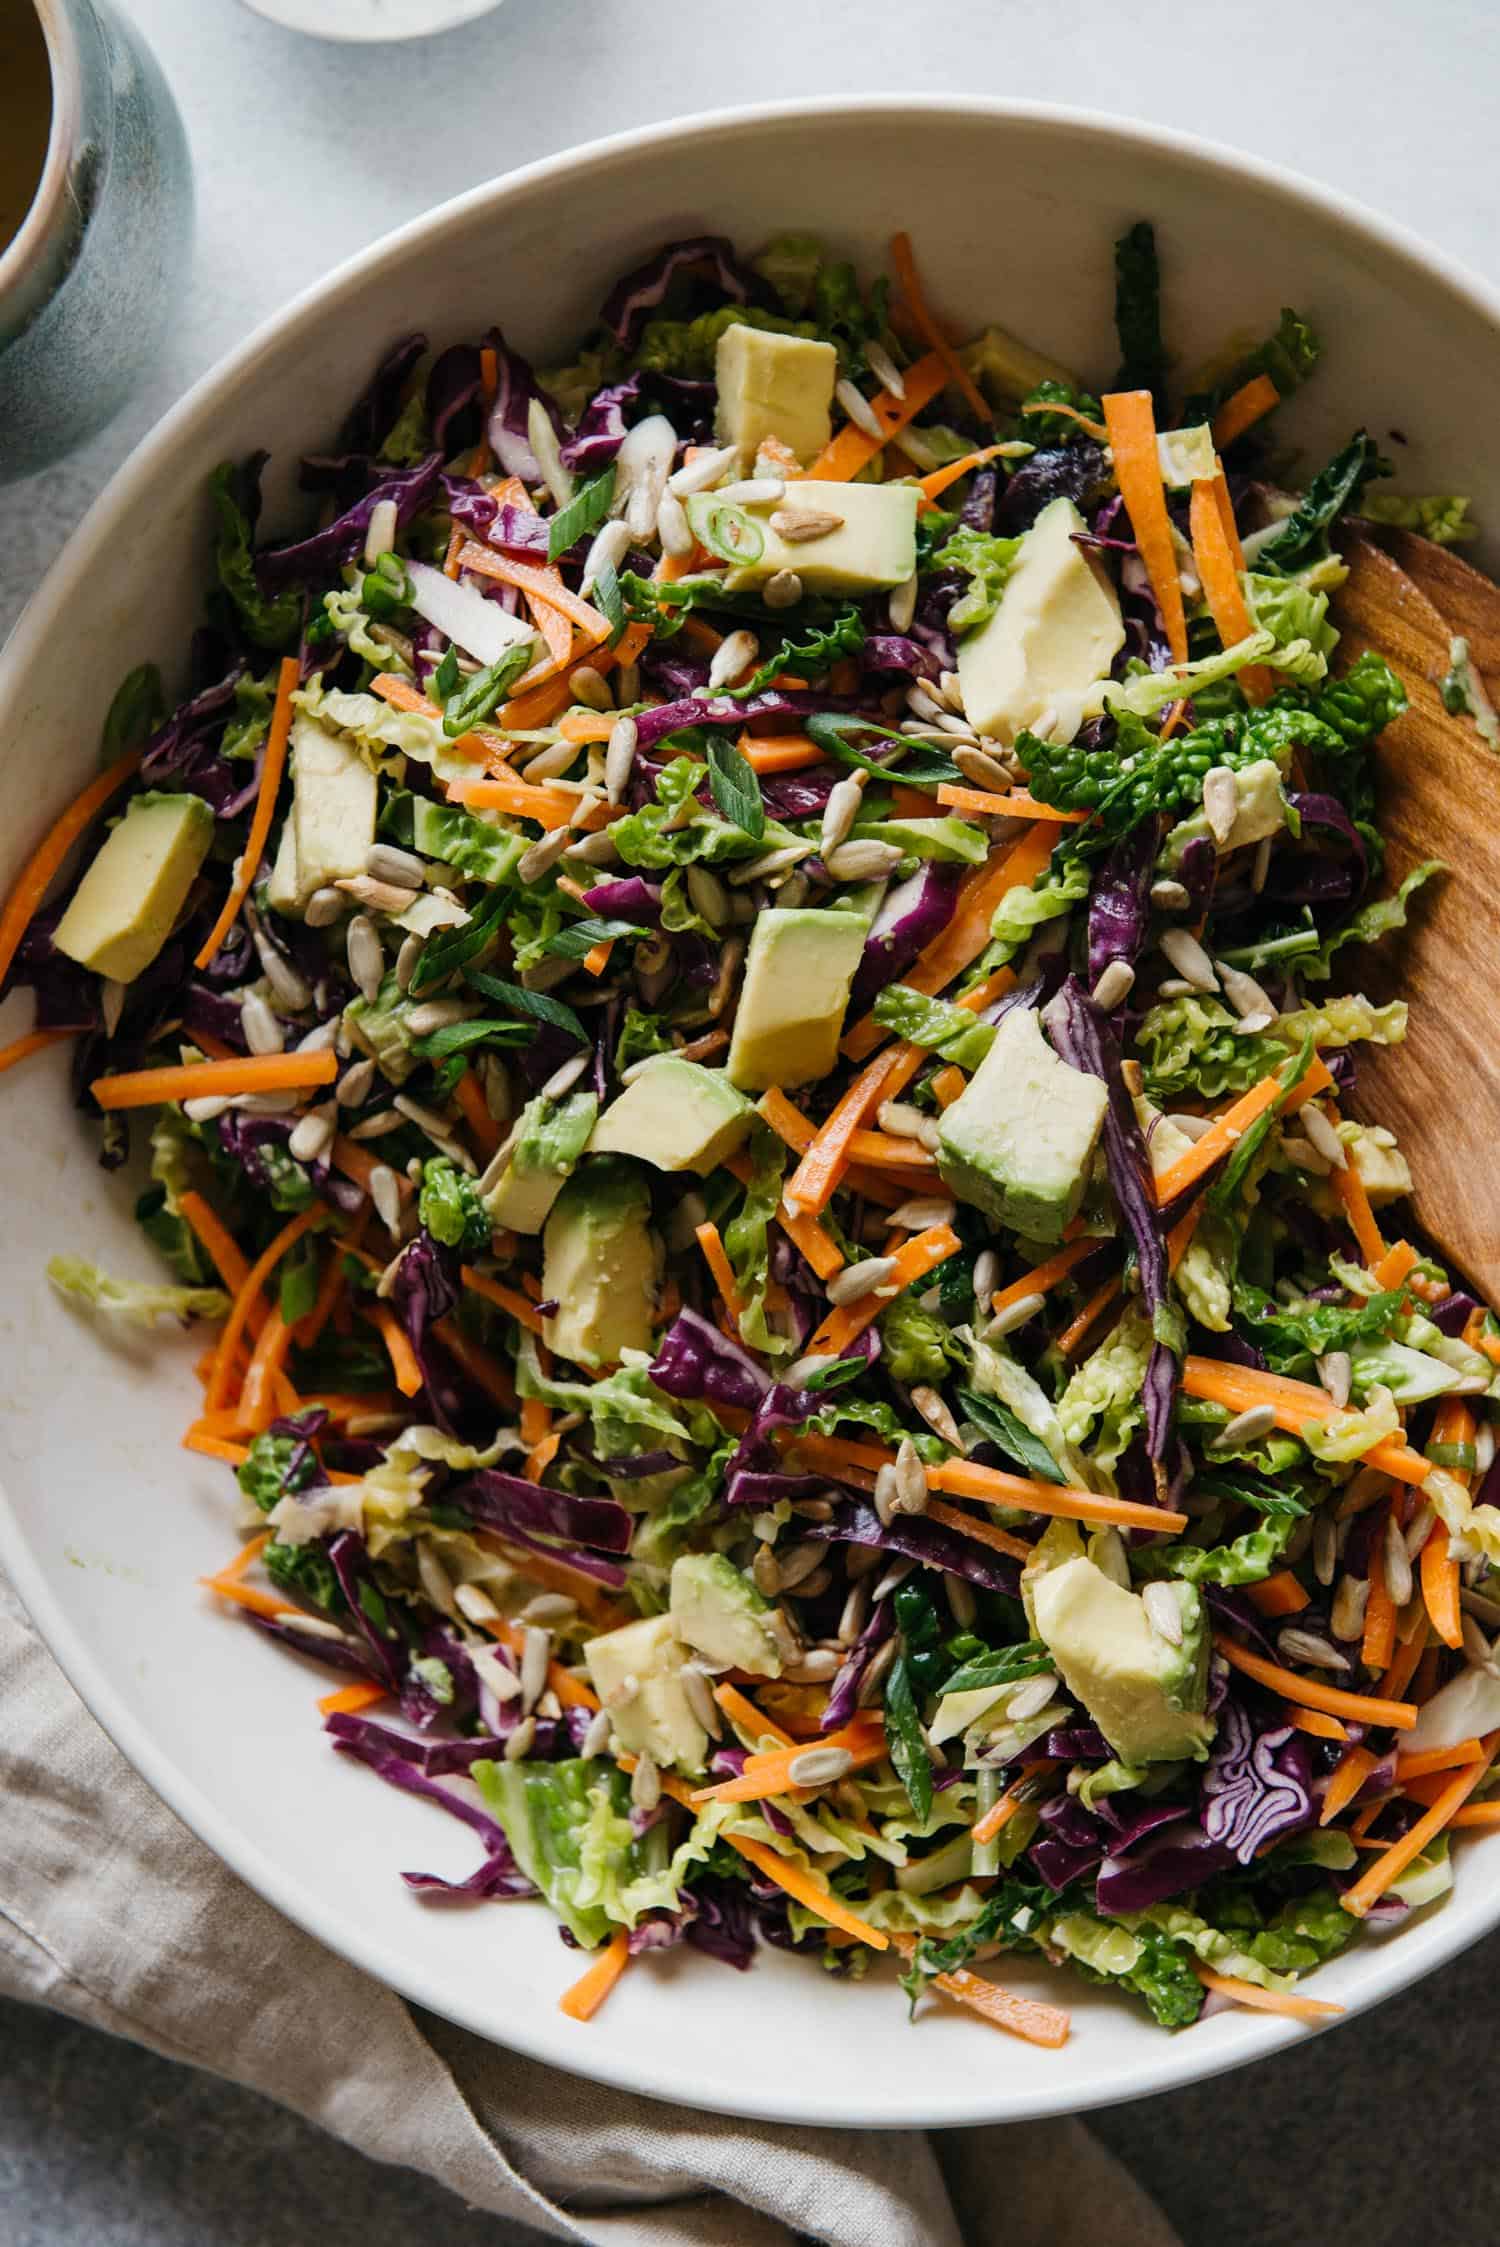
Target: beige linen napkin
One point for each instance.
(113, 1912)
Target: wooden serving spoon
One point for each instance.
(1439, 798)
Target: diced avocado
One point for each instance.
(954, 841)
(1057, 629)
(333, 805)
(797, 976)
(774, 386)
(637, 1674)
(550, 1137)
(1008, 370)
(874, 543)
(677, 1116)
(1019, 1139)
(1260, 810)
(600, 1264)
(1186, 456)
(127, 904)
(1379, 1162)
(378, 1027)
(720, 1613)
(1146, 1695)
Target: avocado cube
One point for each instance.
(600, 1265)
(1146, 1695)
(774, 386)
(873, 544)
(1056, 630)
(676, 1116)
(720, 1613)
(333, 805)
(1019, 1139)
(521, 1201)
(637, 1674)
(284, 892)
(797, 976)
(127, 904)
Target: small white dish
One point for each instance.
(370, 20)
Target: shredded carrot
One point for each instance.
(1025, 2017)
(195, 1080)
(355, 1160)
(1226, 1130)
(1243, 408)
(933, 487)
(1440, 1588)
(1438, 1759)
(748, 1718)
(244, 1558)
(1363, 1708)
(351, 1699)
(852, 449)
(1405, 1663)
(983, 1532)
(272, 766)
(909, 282)
(537, 704)
(35, 1041)
(1221, 586)
(1296, 1403)
(222, 1249)
(585, 725)
(398, 1349)
(1075, 1333)
(887, 1152)
(918, 1256)
(962, 1478)
(771, 1774)
(216, 1395)
(1000, 1813)
(807, 1890)
(807, 1236)
(1015, 804)
(968, 932)
(249, 1596)
(483, 1129)
(1251, 1995)
(519, 799)
(1280, 1594)
(536, 1419)
(1393, 1267)
(1378, 1641)
(783, 752)
(1350, 1188)
(588, 1993)
(812, 1183)
(257, 1399)
(1043, 1277)
(1392, 1863)
(723, 1271)
(541, 1456)
(1131, 423)
(948, 1085)
(532, 578)
(1477, 1814)
(505, 1298)
(1319, 1726)
(1075, 414)
(35, 877)
(1348, 1777)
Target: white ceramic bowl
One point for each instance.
(107, 1523)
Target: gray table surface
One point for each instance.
(1369, 2134)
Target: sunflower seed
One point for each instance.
(609, 547)
(815, 1667)
(1114, 986)
(754, 491)
(312, 1134)
(902, 606)
(549, 1607)
(594, 850)
(935, 1412)
(381, 897)
(207, 1109)
(986, 1274)
(922, 705)
(536, 1653)
(901, 1120)
(563, 1080)
(1325, 1550)
(819, 1767)
(857, 1280)
(1336, 1374)
(290, 989)
(962, 1605)
(1306, 1646)
(708, 895)
(731, 960)
(619, 759)
(765, 1572)
(520, 1740)
(795, 525)
(911, 1480)
(782, 590)
(1189, 958)
(1173, 987)
(1221, 803)
(886, 1493)
(1163, 1613)
(387, 863)
(857, 406)
(840, 812)
(855, 1614)
(950, 687)
(877, 1670)
(1323, 1136)
(732, 656)
(1244, 1429)
(1475, 1603)
(263, 1033)
(1244, 993)
(642, 466)
(698, 475)
(921, 1212)
(1478, 1651)
(1192, 1127)
(770, 862)
(1014, 1316)
(1305, 1155)
(1032, 1697)
(323, 908)
(1397, 1565)
(885, 370)
(535, 861)
(596, 1739)
(375, 1126)
(366, 956)
(439, 1014)
(672, 525)
(645, 1785)
(548, 763)
(1170, 896)
(862, 861)
(1484, 1447)
(385, 1193)
(354, 1085)
(797, 1563)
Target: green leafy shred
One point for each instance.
(142, 1302)
(450, 1208)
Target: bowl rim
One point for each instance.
(1384, 1970)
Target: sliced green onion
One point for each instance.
(725, 530)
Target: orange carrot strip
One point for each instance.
(536, 1419)
(483, 1129)
(1238, 1387)
(1392, 1863)
(485, 1372)
(1440, 1588)
(1350, 1188)
(1477, 1814)
(1438, 1759)
(1280, 1594)
(222, 1249)
(963, 1479)
(216, 1395)
(913, 1261)
(1392, 1268)
(35, 877)
(272, 766)
(782, 752)
(852, 449)
(949, 1085)
(723, 1271)
(1000, 1813)
(1349, 1775)
(506, 1298)
(1072, 1335)
(1226, 1130)
(771, 1774)
(244, 1557)
(1042, 1277)
(1364, 1708)
(910, 284)
(398, 1349)
(812, 1183)
(359, 1162)
(806, 1889)
(1378, 1640)
(258, 1405)
(529, 577)
(248, 1595)
(35, 1041)
(1311, 1721)
(983, 1532)
(1221, 585)
(1025, 2017)
(748, 1718)
(1251, 1995)
(588, 1993)
(541, 1456)
(1405, 1663)
(351, 1699)
(1243, 408)
(1014, 805)
(585, 725)
(805, 1233)
(193, 1080)
(520, 799)
(1131, 423)
(596, 958)
(968, 932)
(199, 1438)
(887, 1152)
(933, 487)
